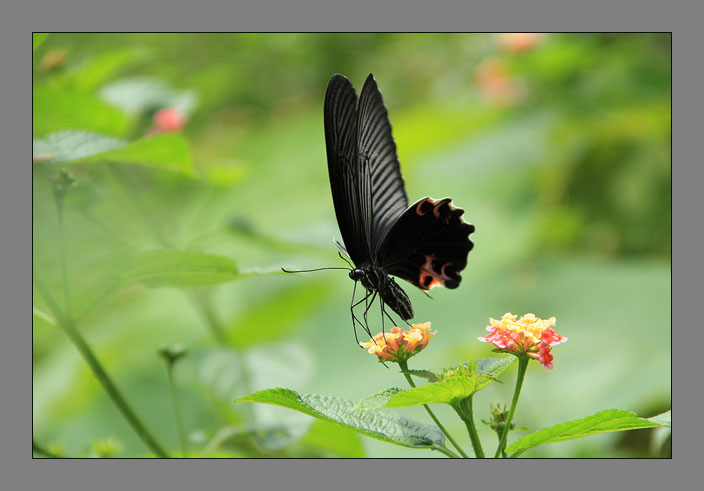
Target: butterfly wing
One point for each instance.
(346, 174)
(428, 244)
(383, 191)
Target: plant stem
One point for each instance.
(465, 412)
(522, 365)
(446, 451)
(404, 369)
(177, 408)
(59, 201)
(67, 325)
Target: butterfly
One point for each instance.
(426, 243)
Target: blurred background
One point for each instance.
(557, 146)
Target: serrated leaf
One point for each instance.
(175, 269)
(38, 38)
(601, 422)
(664, 419)
(493, 367)
(445, 392)
(56, 109)
(67, 146)
(488, 369)
(377, 400)
(164, 151)
(379, 424)
(426, 374)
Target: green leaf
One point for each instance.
(335, 439)
(490, 368)
(602, 422)
(378, 424)
(376, 401)
(664, 419)
(38, 38)
(175, 269)
(56, 109)
(100, 68)
(446, 392)
(426, 374)
(166, 151)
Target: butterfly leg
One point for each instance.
(366, 311)
(355, 320)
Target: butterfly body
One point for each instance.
(425, 243)
(374, 279)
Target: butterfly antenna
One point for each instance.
(308, 270)
(345, 259)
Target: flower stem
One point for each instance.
(404, 369)
(177, 408)
(522, 365)
(465, 412)
(67, 325)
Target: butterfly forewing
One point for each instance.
(384, 190)
(340, 115)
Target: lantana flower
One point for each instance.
(528, 335)
(399, 345)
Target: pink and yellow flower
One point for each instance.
(398, 345)
(528, 335)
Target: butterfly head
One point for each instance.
(357, 274)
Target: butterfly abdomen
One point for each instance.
(396, 298)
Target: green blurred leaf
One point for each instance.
(140, 95)
(100, 68)
(166, 151)
(379, 424)
(38, 38)
(446, 392)
(602, 422)
(377, 400)
(664, 419)
(56, 109)
(335, 439)
(297, 303)
(175, 269)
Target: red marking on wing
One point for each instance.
(427, 271)
(419, 212)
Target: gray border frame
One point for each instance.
(19, 471)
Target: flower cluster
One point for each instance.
(398, 345)
(528, 335)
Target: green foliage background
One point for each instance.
(558, 152)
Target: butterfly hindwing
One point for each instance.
(428, 244)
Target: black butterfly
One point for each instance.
(426, 244)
